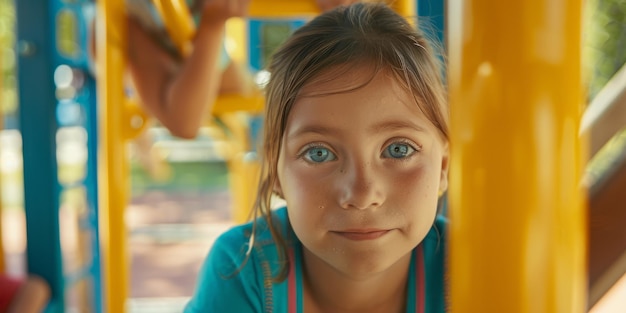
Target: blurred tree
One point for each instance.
(604, 41)
(8, 92)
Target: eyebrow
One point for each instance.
(395, 125)
(377, 128)
(315, 129)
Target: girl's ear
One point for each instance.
(445, 163)
(277, 189)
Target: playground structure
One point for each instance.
(549, 182)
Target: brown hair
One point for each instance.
(369, 33)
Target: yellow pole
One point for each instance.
(517, 212)
(112, 154)
(406, 8)
(2, 262)
(283, 8)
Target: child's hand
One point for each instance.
(326, 5)
(221, 10)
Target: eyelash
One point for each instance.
(310, 146)
(416, 148)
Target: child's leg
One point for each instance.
(9, 287)
(31, 297)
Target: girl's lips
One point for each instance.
(362, 235)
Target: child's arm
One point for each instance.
(179, 93)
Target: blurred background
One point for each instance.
(181, 191)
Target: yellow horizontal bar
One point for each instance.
(178, 22)
(234, 103)
(290, 8)
(282, 8)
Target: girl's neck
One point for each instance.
(327, 290)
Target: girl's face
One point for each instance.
(360, 172)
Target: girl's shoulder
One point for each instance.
(434, 249)
(238, 243)
(435, 240)
(241, 267)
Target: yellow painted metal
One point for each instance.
(234, 103)
(134, 119)
(243, 166)
(113, 158)
(291, 8)
(405, 8)
(517, 209)
(237, 40)
(178, 22)
(2, 262)
(244, 176)
(283, 8)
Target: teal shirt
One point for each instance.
(226, 286)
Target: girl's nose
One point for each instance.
(359, 187)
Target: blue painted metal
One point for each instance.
(85, 101)
(260, 47)
(38, 127)
(265, 35)
(91, 185)
(431, 14)
(40, 53)
(432, 20)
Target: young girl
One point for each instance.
(356, 144)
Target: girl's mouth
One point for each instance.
(361, 235)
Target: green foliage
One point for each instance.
(8, 85)
(604, 41)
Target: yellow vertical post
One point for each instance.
(243, 168)
(406, 8)
(2, 262)
(282, 8)
(112, 154)
(518, 235)
(243, 172)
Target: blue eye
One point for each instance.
(398, 151)
(318, 155)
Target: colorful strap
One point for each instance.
(292, 303)
(419, 280)
(291, 284)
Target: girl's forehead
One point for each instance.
(340, 78)
(357, 96)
